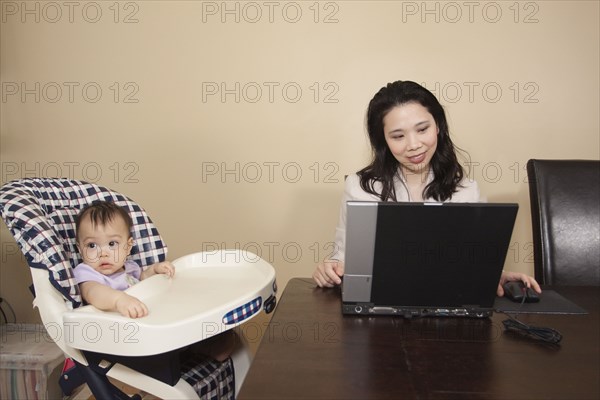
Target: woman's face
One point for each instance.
(411, 134)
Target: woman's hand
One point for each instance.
(329, 273)
(529, 281)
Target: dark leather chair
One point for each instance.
(565, 214)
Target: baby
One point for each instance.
(103, 234)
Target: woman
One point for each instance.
(414, 159)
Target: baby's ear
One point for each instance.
(129, 244)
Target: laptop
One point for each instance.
(425, 259)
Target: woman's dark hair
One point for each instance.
(102, 212)
(447, 171)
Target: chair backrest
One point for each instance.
(40, 214)
(565, 213)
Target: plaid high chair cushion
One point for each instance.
(40, 213)
(211, 379)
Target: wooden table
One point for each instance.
(311, 351)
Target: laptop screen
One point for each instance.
(423, 253)
(426, 254)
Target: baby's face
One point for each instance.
(104, 247)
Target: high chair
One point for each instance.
(210, 293)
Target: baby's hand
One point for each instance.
(130, 306)
(164, 267)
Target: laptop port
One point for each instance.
(382, 310)
(358, 309)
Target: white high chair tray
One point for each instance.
(210, 293)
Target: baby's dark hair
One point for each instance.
(102, 212)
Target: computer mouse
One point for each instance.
(516, 290)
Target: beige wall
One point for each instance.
(192, 92)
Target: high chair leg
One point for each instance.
(100, 386)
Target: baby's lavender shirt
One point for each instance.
(118, 280)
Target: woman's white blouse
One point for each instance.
(468, 192)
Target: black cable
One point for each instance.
(3, 315)
(535, 332)
(545, 334)
(2, 301)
